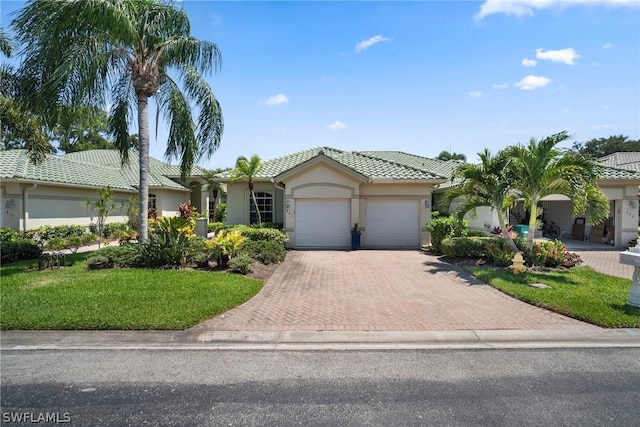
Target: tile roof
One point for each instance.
(624, 160)
(373, 165)
(93, 168)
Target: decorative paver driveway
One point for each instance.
(379, 291)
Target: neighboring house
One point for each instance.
(619, 185)
(321, 193)
(55, 192)
(629, 160)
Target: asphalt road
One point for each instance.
(427, 387)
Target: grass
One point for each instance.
(580, 292)
(126, 299)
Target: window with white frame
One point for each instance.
(151, 204)
(265, 204)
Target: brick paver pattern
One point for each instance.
(380, 290)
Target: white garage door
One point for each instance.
(392, 224)
(323, 223)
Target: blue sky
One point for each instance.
(420, 76)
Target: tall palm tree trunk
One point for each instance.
(532, 223)
(505, 233)
(255, 203)
(143, 153)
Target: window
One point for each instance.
(151, 204)
(265, 204)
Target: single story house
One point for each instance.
(320, 194)
(55, 192)
(619, 185)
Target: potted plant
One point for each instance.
(355, 237)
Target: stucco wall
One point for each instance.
(57, 205)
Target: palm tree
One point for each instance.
(484, 184)
(246, 170)
(19, 128)
(214, 186)
(90, 52)
(539, 169)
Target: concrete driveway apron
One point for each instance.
(380, 290)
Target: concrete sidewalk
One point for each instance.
(316, 340)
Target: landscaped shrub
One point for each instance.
(74, 242)
(441, 227)
(221, 212)
(126, 255)
(214, 227)
(46, 232)
(56, 244)
(10, 235)
(265, 251)
(476, 233)
(498, 252)
(276, 225)
(256, 234)
(17, 250)
(96, 262)
(548, 253)
(225, 245)
(113, 229)
(241, 263)
(462, 247)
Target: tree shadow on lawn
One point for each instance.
(26, 266)
(626, 309)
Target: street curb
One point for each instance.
(317, 340)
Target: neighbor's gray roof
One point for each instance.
(373, 165)
(93, 168)
(624, 160)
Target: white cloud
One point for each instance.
(608, 45)
(337, 125)
(278, 99)
(529, 62)
(365, 44)
(500, 85)
(565, 56)
(598, 127)
(475, 94)
(529, 7)
(532, 82)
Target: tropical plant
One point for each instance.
(484, 184)
(246, 170)
(78, 52)
(445, 155)
(225, 245)
(19, 127)
(103, 206)
(216, 187)
(539, 169)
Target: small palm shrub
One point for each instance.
(224, 246)
(168, 243)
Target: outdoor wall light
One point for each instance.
(287, 203)
(632, 204)
(427, 204)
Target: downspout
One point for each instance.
(25, 205)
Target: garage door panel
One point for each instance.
(323, 223)
(392, 223)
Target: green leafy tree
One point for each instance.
(539, 169)
(88, 52)
(600, 147)
(246, 170)
(214, 186)
(82, 128)
(484, 184)
(445, 155)
(19, 127)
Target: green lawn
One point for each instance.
(580, 292)
(76, 298)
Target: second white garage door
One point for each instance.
(323, 223)
(392, 224)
